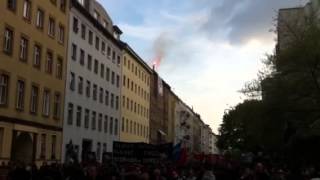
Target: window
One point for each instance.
(105, 124)
(75, 25)
(80, 85)
(116, 126)
(52, 25)
(100, 123)
(49, 62)
(117, 103)
(59, 68)
(72, 81)
(27, 10)
(74, 52)
(63, 4)
(46, 103)
(43, 146)
(124, 81)
(57, 106)
(8, 41)
(96, 15)
(123, 101)
(83, 31)
(40, 19)
(118, 81)
(96, 66)
(135, 128)
(82, 57)
(20, 94)
(102, 70)
(61, 34)
(70, 114)
(24, 49)
(93, 122)
(111, 125)
(89, 65)
(12, 5)
(131, 127)
(122, 125)
(103, 48)
(90, 37)
(88, 89)
(108, 74)
(4, 89)
(79, 116)
(128, 103)
(109, 52)
(98, 152)
(118, 60)
(113, 56)
(105, 24)
(104, 148)
(112, 78)
(37, 56)
(106, 101)
(101, 95)
(95, 93)
(97, 43)
(127, 125)
(53, 146)
(86, 118)
(112, 100)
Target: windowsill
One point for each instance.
(45, 115)
(24, 61)
(27, 20)
(33, 113)
(19, 109)
(61, 43)
(4, 105)
(38, 67)
(7, 53)
(12, 10)
(39, 28)
(52, 36)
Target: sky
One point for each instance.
(210, 48)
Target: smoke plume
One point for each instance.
(160, 48)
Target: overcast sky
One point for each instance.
(211, 47)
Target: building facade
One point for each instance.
(183, 125)
(92, 103)
(33, 61)
(135, 97)
(159, 99)
(173, 100)
(196, 134)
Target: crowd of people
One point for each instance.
(161, 171)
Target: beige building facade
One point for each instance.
(33, 37)
(135, 98)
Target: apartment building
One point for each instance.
(92, 107)
(135, 97)
(32, 67)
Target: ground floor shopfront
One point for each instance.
(28, 142)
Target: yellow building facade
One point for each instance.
(33, 36)
(135, 98)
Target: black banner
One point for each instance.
(140, 152)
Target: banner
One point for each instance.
(140, 152)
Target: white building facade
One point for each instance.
(92, 104)
(183, 125)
